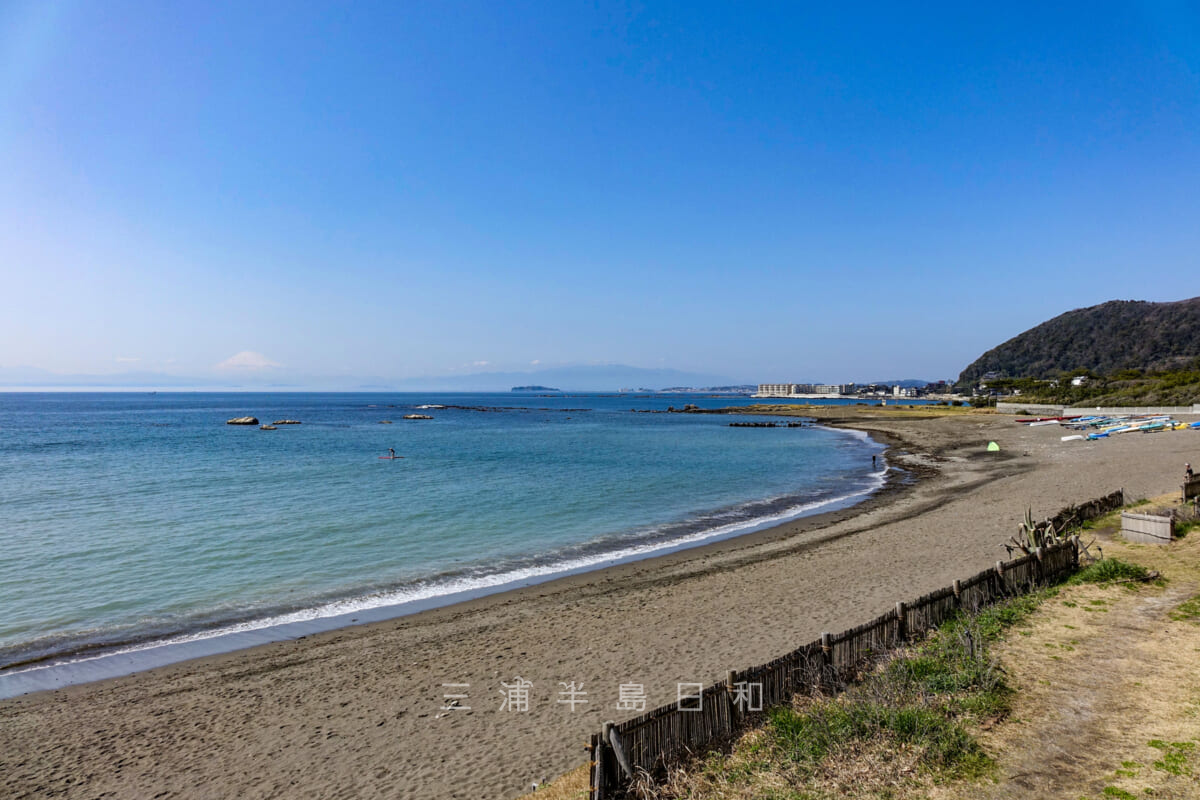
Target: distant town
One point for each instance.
(846, 391)
(852, 390)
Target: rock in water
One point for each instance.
(286, 422)
(242, 421)
(417, 416)
(267, 428)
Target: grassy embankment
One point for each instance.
(1090, 689)
(1129, 387)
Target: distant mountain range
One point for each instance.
(587, 378)
(21, 377)
(1119, 334)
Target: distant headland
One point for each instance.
(535, 389)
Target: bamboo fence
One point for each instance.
(645, 744)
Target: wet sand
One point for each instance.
(357, 712)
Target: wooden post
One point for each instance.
(614, 741)
(957, 585)
(827, 659)
(1075, 555)
(601, 782)
(901, 622)
(590, 747)
(1037, 553)
(731, 693)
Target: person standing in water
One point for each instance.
(391, 452)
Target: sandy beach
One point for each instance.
(357, 712)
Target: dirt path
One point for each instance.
(1109, 691)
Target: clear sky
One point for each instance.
(791, 191)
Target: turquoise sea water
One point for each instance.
(135, 518)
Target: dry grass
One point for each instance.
(1108, 681)
(858, 768)
(571, 786)
(896, 733)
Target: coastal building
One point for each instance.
(804, 389)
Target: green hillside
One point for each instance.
(1103, 340)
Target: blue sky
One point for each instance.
(760, 191)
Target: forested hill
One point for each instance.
(1119, 334)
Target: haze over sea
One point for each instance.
(131, 519)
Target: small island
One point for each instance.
(534, 389)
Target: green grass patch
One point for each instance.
(1108, 570)
(1184, 527)
(808, 737)
(1121, 794)
(1110, 520)
(1176, 758)
(1187, 611)
(919, 708)
(923, 699)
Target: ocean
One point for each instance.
(129, 520)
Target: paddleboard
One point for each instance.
(390, 458)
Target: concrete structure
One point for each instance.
(1146, 528)
(834, 388)
(812, 391)
(775, 389)
(1058, 411)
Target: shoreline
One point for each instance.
(82, 667)
(357, 711)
